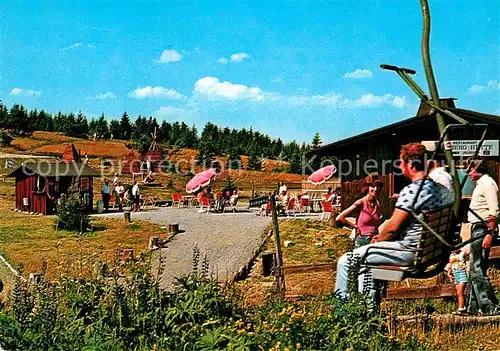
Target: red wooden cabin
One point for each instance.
(39, 185)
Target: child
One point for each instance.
(457, 273)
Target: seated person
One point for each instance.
(330, 195)
(149, 178)
(402, 231)
(209, 194)
(233, 199)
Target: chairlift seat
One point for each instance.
(431, 254)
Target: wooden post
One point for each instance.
(280, 278)
(153, 242)
(126, 216)
(173, 228)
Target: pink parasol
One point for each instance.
(322, 175)
(200, 180)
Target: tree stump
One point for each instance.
(126, 217)
(153, 243)
(173, 228)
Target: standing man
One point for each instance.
(136, 196)
(484, 203)
(105, 192)
(119, 194)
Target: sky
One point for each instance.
(288, 69)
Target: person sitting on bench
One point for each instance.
(149, 178)
(402, 231)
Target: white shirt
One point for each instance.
(282, 189)
(135, 190)
(484, 199)
(115, 180)
(119, 189)
(445, 183)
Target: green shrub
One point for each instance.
(71, 213)
(127, 310)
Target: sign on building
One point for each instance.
(9, 163)
(467, 148)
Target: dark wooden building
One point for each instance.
(40, 184)
(378, 150)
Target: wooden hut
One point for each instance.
(40, 184)
(376, 150)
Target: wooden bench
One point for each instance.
(431, 254)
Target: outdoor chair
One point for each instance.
(178, 199)
(327, 210)
(305, 205)
(205, 203)
(290, 207)
(146, 202)
(431, 254)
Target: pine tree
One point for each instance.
(234, 159)
(4, 115)
(206, 155)
(115, 129)
(101, 128)
(316, 142)
(126, 127)
(254, 162)
(295, 164)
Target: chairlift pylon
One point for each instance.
(441, 226)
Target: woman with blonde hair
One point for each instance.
(370, 214)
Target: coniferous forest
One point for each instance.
(213, 140)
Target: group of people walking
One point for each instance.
(391, 241)
(121, 195)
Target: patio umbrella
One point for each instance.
(322, 175)
(200, 180)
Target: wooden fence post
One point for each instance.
(280, 278)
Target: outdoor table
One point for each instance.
(316, 204)
(189, 199)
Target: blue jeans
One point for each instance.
(481, 296)
(376, 256)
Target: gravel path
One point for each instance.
(229, 240)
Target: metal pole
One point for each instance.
(426, 16)
(280, 279)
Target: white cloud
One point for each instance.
(491, 85)
(169, 112)
(90, 46)
(359, 74)
(240, 56)
(25, 92)
(169, 56)
(276, 80)
(335, 100)
(369, 100)
(161, 92)
(211, 87)
(104, 96)
(73, 46)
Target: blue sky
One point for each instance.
(286, 69)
